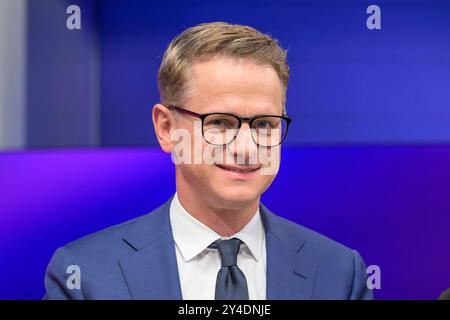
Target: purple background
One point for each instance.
(366, 161)
(390, 203)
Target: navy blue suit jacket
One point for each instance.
(137, 260)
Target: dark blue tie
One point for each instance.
(231, 283)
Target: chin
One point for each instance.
(236, 195)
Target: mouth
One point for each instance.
(241, 170)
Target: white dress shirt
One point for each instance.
(198, 265)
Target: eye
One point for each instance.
(219, 123)
(263, 124)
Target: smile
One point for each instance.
(239, 169)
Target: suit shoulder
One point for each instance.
(318, 244)
(107, 234)
(113, 239)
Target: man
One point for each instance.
(223, 88)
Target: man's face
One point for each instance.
(243, 88)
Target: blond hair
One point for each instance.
(211, 39)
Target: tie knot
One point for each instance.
(228, 250)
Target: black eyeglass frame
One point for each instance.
(241, 120)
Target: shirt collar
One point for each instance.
(192, 236)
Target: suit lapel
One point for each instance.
(290, 273)
(151, 271)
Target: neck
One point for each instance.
(224, 220)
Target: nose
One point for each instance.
(244, 148)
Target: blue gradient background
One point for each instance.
(348, 84)
(366, 162)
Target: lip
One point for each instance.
(240, 172)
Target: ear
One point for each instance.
(164, 122)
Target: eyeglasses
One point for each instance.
(220, 128)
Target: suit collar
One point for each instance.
(149, 228)
(151, 272)
(184, 225)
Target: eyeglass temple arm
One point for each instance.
(191, 113)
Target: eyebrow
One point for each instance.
(264, 113)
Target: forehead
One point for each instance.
(241, 86)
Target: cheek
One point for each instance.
(266, 180)
(270, 161)
(194, 174)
